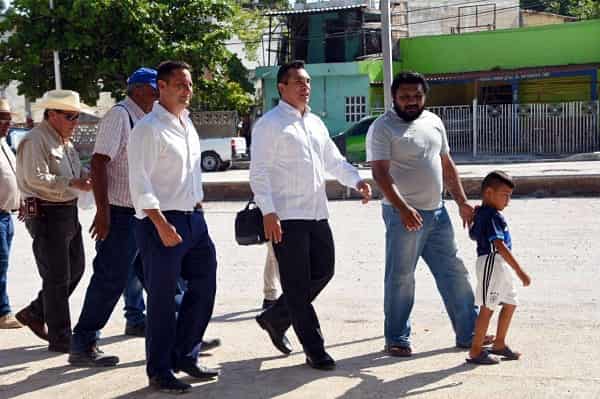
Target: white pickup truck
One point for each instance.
(219, 153)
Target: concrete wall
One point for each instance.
(538, 18)
(443, 15)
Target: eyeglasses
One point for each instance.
(68, 115)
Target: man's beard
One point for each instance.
(408, 116)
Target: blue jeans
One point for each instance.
(113, 266)
(170, 339)
(435, 243)
(7, 231)
(133, 296)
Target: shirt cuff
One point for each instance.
(147, 201)
(265, 205)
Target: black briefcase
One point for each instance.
(249, 228)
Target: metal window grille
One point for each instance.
(356, 108)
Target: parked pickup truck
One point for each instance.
(219, 153)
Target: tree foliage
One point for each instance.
(102, 41)
(583, 9)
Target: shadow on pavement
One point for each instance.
(55, 376)
(25, 354)
(245, 379)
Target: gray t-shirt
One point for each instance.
(413, 149)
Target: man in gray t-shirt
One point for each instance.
(410, 158)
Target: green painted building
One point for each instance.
(554, 63)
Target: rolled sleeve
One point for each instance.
(379, 145)
(262, 150)
(143, 151)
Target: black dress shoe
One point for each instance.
(169, 384)
(278, 338)
(323, 362)
(26, 317)
(139, 330)
(93, 357)
(267, 303)
(209, 343)
(191, 367)
(59, 347)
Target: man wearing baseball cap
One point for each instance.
(112, 227)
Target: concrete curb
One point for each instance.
(536, 186)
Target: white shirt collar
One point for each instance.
(164, 114)
(292, 110)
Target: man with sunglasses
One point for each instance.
(112, 228)
(9, 201)
(50, 178)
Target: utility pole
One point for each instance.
(386, 42)
(57, 79)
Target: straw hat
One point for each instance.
(5, 106)
(64, 100)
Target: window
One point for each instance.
(356, 108)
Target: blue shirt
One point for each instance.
(489, 225)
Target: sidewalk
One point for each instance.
(538, 179)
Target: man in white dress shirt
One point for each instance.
(291, 152)
(171, 234)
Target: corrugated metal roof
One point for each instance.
(314, 10)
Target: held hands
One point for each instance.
(364, 189)
(82, 183)
(272, 226)
(168, 234)
(467, 213)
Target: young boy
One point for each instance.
(495, 285)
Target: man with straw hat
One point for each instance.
(9, 201)
(50, 178)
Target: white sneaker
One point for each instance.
(8, 321)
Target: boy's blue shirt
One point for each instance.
(489, 225)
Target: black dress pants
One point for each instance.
(306, 264)
(58, 250)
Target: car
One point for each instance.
(14, 137)
(219, 153)
(352, 141)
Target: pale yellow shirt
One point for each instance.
(9, 191)
(46, 165)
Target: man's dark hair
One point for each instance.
(496, 179)
(165, 69)
(410, 78)
(282, 73)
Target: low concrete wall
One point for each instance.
(537, 186)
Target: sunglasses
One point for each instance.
(68, 116)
